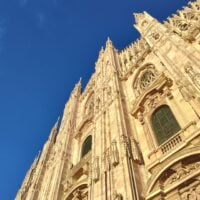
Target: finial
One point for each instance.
(102, 50)
(80, 81)
(109, 43)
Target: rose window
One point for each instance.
(146, 79)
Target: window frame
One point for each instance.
(153, 129)
(82, 146)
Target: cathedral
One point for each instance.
(133, 133)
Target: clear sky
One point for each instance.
(45, 47)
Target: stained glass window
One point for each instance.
(87, 146)
(164, 124)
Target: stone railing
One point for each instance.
(174, 144)
(180, 137)
(84, 161)
(171, 143)
(184, 135)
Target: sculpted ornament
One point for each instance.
(106, 161)
(115, 153)
(183, 172)
(98, 102)
(192, 194)
(77, 195)
(195, 76)
(96, 169)
(140, 117)
(136, 152)
(153, 102)
(186, 89)
(144, 23)
(155, 36)
(125, 143)
(117, 196)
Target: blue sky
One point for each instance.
(45, 47)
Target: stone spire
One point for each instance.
(109, 43)
(54, 130)
(138, 17)
(77, 87)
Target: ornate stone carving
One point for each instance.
(140, 117)
(96, 169)
(158, 90)
(192, 194)
(77, 195)
(186, 89)
(114, 153)
(195, 76)
(183, 172)
(186, 22)
(125, 144)
(131, 56)
(117, 196)
(137, 157)
(98, 104)
(106, 160)
(147, 78)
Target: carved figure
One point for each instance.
(117, 196)
(96, 169)
(115, 153)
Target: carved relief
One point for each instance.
(106, 160)
(195, 76)
(89, 107)
(186, 22)
(192, 194)
(186, 89)
(125, 144)
(115, 153)
(117, 196)
(77, 195)
(179, 178)
(98, 104)
(151, 96)
(130, 57)
(96, 169)
(182, 172)
(131, 149)
(144, 78)
(137, 157)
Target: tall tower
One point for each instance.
(134, 132)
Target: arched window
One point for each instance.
(87, 146)
(164, 124)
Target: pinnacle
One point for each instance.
(109, 43)
(80, 81)
(102, 50)
(138, 16)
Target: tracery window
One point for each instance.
(87, 146)
(147, 78)
(164, 124)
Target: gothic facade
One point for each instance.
(134, 132)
